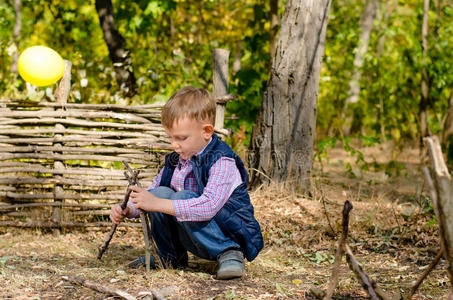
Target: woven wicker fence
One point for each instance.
(70, 155)
(61, 164)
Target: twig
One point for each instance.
(100, 288)
(150, 245)
(340, 251)
(431, 266)
(396, 218)
(367, 284)
(323, 200)
(44, 224)
(123, 205)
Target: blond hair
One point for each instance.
(195, 103)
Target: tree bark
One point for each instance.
(424, 99)
(275, 23)
(16, 35)
(119, 56)
(366, 26)
(283, 136)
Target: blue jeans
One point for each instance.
(204, 239)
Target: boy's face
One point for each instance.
(189, 136)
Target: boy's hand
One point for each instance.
(117, 214)
(142, 198)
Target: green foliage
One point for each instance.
(390, 85)
(171, 42)
(329, 143)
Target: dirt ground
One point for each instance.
(392, 233)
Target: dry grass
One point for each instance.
(389, 233)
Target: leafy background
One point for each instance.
(171, 43)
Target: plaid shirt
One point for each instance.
(224, 178)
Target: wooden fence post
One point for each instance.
(442, 199)
(61, 95)
(220, 83)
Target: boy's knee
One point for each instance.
(162, 192)
(185, 194)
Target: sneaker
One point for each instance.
(231, 264)
(141, 262)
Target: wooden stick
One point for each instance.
(44, 149)
(340, 251)
(51, 180)
(81, 141)
(100, 288)
(85, 114)
(431, 267)
(226, 98)
(46, 204)
(33, 132)
(56, 156)
(123, 205)
(323, 199)
(38, 224)
(78, 122)
(79, 196)
(28, 167)
(97, 212)
(150, 245)
(220, 83)
(363, 278)
(135, 108)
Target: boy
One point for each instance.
(199, 201)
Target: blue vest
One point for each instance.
(235, 218)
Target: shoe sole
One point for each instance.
(229, 274)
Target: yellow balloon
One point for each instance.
(40, 65)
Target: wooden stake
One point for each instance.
(220, 82)
(150, 245)
(61, 94)
(441, 193)
(340, 251)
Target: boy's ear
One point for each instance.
(208, 130)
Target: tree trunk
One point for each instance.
(448, 127)
(119, 56)
(384, 12)
(237, 57)
(438, 20)
(424, 99)
(366, 26)
(16, 35)
(275, 23)
(281, 148)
